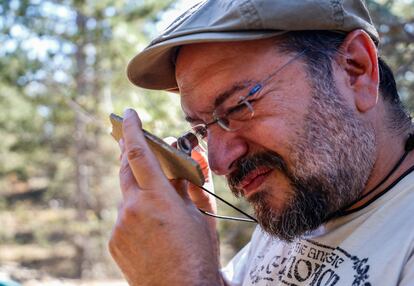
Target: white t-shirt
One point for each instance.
(373, 246)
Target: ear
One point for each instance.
(359, 60)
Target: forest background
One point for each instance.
(62, 71)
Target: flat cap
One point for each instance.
(241, 20)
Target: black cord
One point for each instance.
(381, 193)
(409, 146)
(250, 218)
(185, 145)
(227, 217)
(386, 177)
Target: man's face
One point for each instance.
(305, 153)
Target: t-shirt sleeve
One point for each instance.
(234, 272)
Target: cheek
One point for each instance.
(278, 124)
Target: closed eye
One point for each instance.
(237, 108)
(243, 105)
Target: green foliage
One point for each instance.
(62, 69)
(395, 22)
(62, 66)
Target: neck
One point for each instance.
(389, 165)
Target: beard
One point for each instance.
(332, 159)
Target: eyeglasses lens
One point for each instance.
(236, 116)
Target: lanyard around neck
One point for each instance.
(409, 146)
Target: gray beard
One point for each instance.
(332, 160)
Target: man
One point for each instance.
(304, 120)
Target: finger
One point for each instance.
(126, 177)
(200, 156)
(181, 187)
(202, 161)
(197, 195)
(142, 161)
(121, 147)
(201, 198)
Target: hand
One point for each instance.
(201, 199)
(160, 238)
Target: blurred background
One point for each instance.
(62, 71)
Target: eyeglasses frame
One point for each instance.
(243, 100)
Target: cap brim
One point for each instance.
(153, 68)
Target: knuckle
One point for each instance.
(136, 152)
(126, 180)
(112, 245)
(115, 240)
(130, 214)
(124, 170)
(127, 216)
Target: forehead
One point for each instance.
(204, 71)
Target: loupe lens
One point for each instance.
(187, 142)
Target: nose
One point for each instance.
(224, 148)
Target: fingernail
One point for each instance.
(128, 112)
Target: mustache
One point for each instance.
(245, 165)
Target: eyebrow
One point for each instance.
(223, 96)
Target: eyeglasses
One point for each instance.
(229, 119)
(233, 113)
